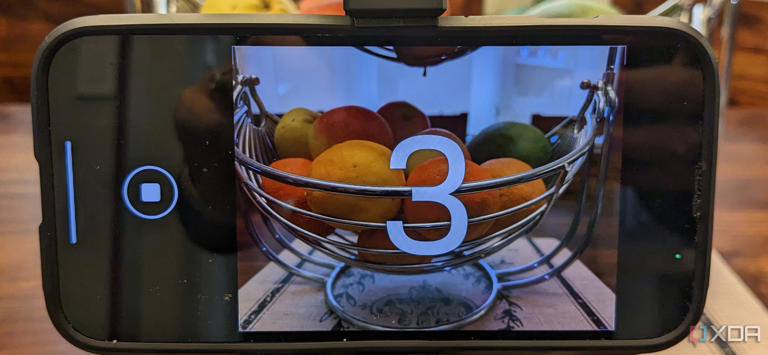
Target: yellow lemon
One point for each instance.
(292, 133)
(355, 162)
(248, 6)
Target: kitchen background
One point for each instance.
(24, 24)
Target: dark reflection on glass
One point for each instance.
(132, 102)
(662, 152)
(203, 122)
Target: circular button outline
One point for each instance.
(128, 203)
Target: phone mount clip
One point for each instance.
(395, 12)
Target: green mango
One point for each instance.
(572, 9)
(511, 140)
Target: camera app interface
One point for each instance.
(427, 188)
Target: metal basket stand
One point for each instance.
(417, 289)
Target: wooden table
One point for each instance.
(741, 222)
(741, 201)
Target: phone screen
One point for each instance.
(416, 117)
(322, 186)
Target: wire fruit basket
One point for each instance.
(575, 142)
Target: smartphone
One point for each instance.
(256, 182)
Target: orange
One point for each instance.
(379, 239)
(322, 7)
(433, 172)
(355, 162)
(514, 195)
(295, 196)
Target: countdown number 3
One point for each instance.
(440, 194)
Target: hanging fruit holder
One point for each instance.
(575, 142)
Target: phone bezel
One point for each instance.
(291, 24)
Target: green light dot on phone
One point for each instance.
(678, 256)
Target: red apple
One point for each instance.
(421, 156)
(404, 119)
(423, 56)
(347, 123)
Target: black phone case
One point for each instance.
(189, 24)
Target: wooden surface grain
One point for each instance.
(741, 222)
(741, 202)
(749, 75)
(24, 324)
(24, 24)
